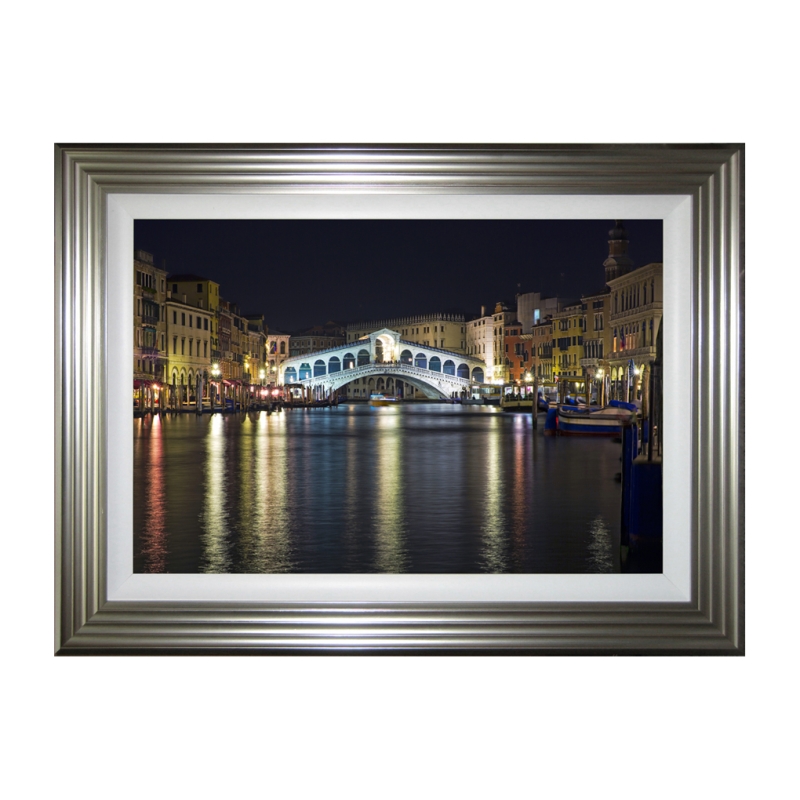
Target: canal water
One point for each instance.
(429, 488)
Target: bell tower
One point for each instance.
(617, 264)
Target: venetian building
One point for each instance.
(480, 340)
(636, 308)
(317, 338)
(517, 351)
(541, 346)
(254, 348)
(568, 331)
(149, 324)
(445, 331)
(278, 348)
(502, 317)
(189, 348)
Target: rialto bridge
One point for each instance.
(383, 354)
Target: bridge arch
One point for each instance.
(319, 368)
(290, 375)
(449, 367)
(406, 357)
(435, 364)
(334, 365)
(421, 361)
(363, 357)
(463, 371)
(348, 361)
(477, 375)
(305, 371)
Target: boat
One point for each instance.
(607, 421)
(515, 404)
(523, 404)
(377, 399)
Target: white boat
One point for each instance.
(377, 399)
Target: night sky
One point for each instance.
(300, 273)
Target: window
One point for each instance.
(190, 320)
(175, 288)
(198, 323)
(175, 344)
(190, 346)
(205, 324)
(174, 317)
(199, 288)
(183, 319)
(183, 346)
(205, 349)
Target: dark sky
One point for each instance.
(300, 273)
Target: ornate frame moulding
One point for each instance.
(698, 604)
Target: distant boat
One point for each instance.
(382, 400)
(606, 421)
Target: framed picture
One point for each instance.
(695, 604)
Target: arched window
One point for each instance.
(420, 361)
(406, 357)
(319, 367)
(477, 374)
(463, 371)
(435, 364)
(449, 368)
(305, 371)
(348, 361)
(334, 365)
(363, 357)
(290, 375)
(283, 348)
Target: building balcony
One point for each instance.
(149, 352)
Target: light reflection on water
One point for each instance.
(427, 489)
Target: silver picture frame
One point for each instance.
(709, 620)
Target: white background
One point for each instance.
(395, 727)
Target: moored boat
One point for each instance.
(607, 421)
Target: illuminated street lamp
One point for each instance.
(215, 371)
(261, 375)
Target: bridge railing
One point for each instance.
(376, 368)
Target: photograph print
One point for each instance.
(397, 396)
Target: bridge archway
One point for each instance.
(363, 358)
(334, 365)
(421, 361)
(305, 371)
(435, 364)
(348, 361)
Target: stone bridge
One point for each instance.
(435, 372)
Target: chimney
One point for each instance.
(483, 311)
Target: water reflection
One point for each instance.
(390, 555)
(154, 535)
(424, 489)
(214, 531)
(493, 554)
(601, 547)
